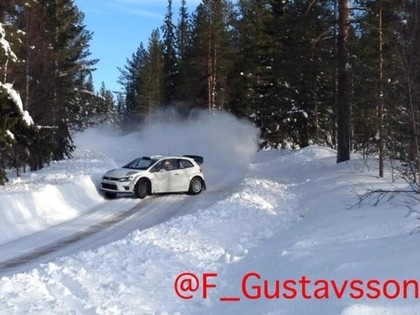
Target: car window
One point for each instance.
(140, 163)
(167, 165)
(185, 164)
(157, 167)
(171, 164)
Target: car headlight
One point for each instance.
(126, 179)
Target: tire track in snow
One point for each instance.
(74, 238)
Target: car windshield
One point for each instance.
(140, 164)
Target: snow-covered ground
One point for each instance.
(275, 233)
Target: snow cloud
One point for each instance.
(226, 143)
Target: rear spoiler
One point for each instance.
(199, 159)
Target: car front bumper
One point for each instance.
(116, 187)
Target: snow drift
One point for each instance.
(288, 215)
(41, 199)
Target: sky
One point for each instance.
(119, 26)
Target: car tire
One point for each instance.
(196, 186)
(110, 195)
(141, 189)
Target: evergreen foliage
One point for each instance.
(169, 57)
(45, 54)
(282, 64)
(276, 63)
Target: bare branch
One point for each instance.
(310, 5)
(375, 197)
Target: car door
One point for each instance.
(179, 176)
(176, 176)
(161, 181)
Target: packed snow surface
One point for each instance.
(276, 232)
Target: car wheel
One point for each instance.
(196, 186)
(110, 195)
(141, 189)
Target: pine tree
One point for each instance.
(287, 57)
(283, 65)
(383, 80)
(251, 45)
(56, 73)
(209, 59)
(409, 44)
(183, 83)
(16, 125)
(52, 75)
(130, 79)
(105, 107)
(87, 100)
(169, 57)
(183, 32)
(152, 78)
(365, 78)
(69, 41)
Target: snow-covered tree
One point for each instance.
(15, 122)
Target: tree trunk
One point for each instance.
(380, 109)
(211, 68)
(343, 105)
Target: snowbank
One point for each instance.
(291, 218)
(63, 191)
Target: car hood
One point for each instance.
(122, 172)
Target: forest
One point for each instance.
(337, 73)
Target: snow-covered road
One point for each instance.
(99, 226)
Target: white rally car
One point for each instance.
(156, 174)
